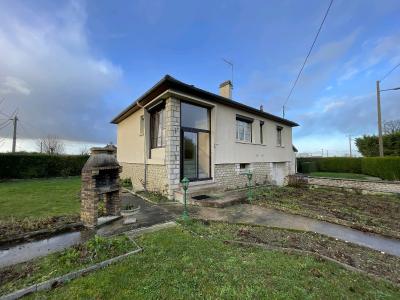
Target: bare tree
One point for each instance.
(84, 150)
(390, 127)
(51, 144)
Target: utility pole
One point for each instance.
(14, 143)
(283, 111)
(378, 101)
(350, 145)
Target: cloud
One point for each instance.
(373, 52)
(333, 105)
(50, 72)
(11, 85)
(354, 115)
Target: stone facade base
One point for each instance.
(231, 176)
(228, 176)
(156, 177)
(366, 185)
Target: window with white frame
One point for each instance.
(279, 130)
(243, 131)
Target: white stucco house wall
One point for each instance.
(176, 130)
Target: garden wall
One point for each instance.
(387, 168)
(22, 165)
(365, 185)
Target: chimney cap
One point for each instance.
(226, 83)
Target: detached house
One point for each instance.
(176, 130)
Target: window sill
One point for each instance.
(250, 143)
(280, 146)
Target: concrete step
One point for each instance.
(196, 190)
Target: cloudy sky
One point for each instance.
(68, 67)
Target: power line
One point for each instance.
(4, 125)
(388, 73)
(308, 54)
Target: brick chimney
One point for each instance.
(225, 89)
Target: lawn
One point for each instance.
(75, 258)
(374, 213)
(30, 205)
(341, 175)
(177, 264)
(39, 197)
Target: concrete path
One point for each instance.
(251, 214)
(146, 214)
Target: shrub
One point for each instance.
(309, 166)
(27, 165)
(126, 183)
(384, 167)
(297, 181)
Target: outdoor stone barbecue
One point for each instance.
(100, 180)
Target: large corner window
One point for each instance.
(279, 130)
(195, 141)
(157, 128)
(243, 129)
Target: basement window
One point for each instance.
(243, 166)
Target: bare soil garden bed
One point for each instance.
(378, 213)
(371, 261)
(14, 230)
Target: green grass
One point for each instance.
(93, 251)
(340, 175)
(177, 265)
(39, 197)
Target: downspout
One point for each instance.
(144, 147)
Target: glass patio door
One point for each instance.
(195, 141)
(189, 154)
(196, 154)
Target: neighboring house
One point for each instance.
(176, 130)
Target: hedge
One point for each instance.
(383, 167)
(13, 166)
(340, 164)
(309, 166)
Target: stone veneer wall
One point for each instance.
(156, 176)
(172, 146)
(230, 176)
(368, 185)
